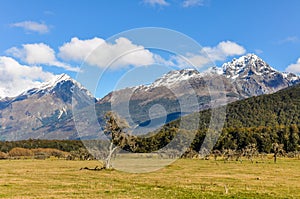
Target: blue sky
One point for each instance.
(35, 34)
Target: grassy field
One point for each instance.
(185, 178)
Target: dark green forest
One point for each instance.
(261, 120)
(63, 145)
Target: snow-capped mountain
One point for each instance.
(244, 77)
(253, 76)
(246, 66)
(249, 74)
(44, 112)
(61, 84)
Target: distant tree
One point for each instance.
(115, 130)
(228, 154)
(293, 138)
(278, 149)
(250, 151)
(216, 153)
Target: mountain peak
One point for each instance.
(57, 79)
(56, 84)
(250, 56)
(243, 61)
(62, 77)
(247, 65)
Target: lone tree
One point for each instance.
(278, 149)
(115, 130)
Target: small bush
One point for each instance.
(3, 155)
(20, 152)
(39, 153)
(48, 152)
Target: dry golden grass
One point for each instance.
(183, 179)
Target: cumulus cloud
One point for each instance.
(16, 78)
(39, 53)
(208, 54)
(192, 3)
(32, 26)
(98, 52)
(223, 50)
(294, 68)
(78, 50)
(156, 2)
(33, 53)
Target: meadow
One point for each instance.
(185, 178)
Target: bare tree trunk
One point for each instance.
(108, 159)
(226, 189)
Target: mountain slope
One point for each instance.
(261, 120)
(280, 108)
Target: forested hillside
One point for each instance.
(261, 120)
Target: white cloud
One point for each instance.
(48, 12)
(290, 39)
(161, 61)
(34, 53)
(192, 3)
(190, 59)
(156, 2)
(16, 78)
(32, 26)
(294, 68)
(184, 3)
(39, 54)
(223, 50)
(78, 50)
(123, 52)
(208, 54)
(258, 51)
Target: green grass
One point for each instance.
(185, 178)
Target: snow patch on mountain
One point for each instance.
(61, 112)
(174, 77)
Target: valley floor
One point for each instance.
(185, 178)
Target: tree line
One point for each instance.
(63, 145)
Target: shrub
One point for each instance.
(41, 153)
(20, 152)
(3, 155)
